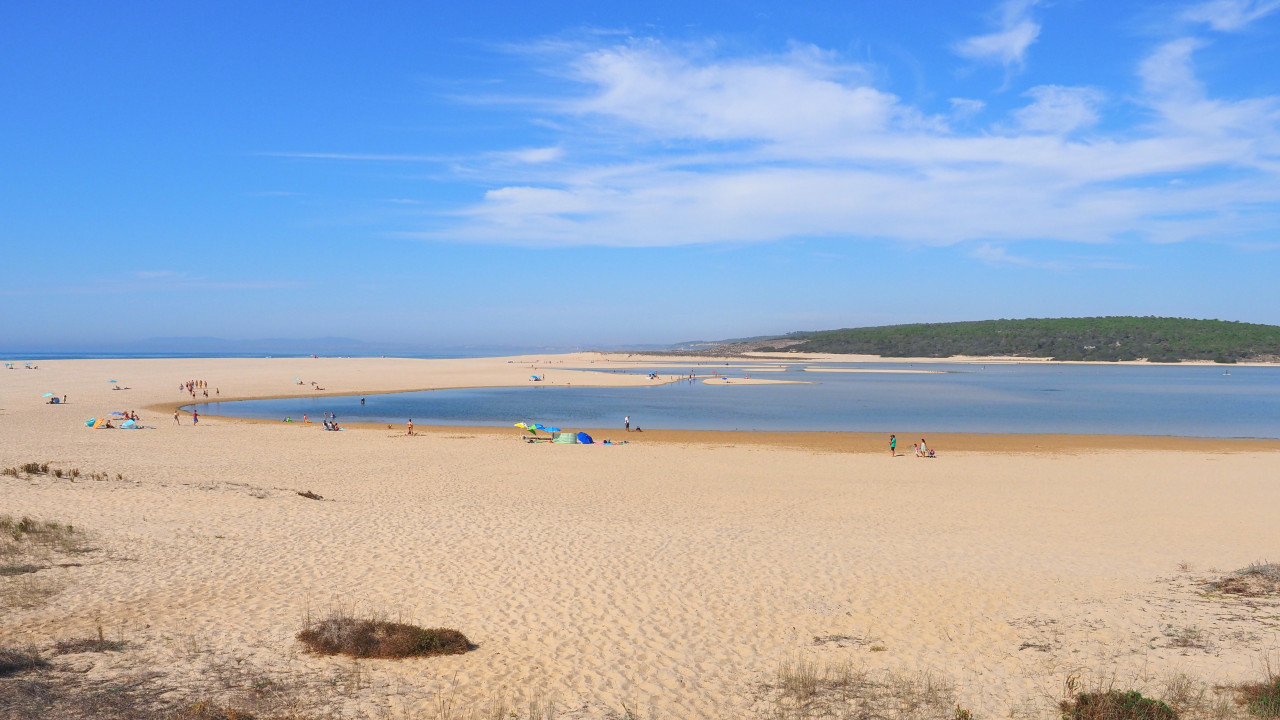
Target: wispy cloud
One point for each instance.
(1007, 45)
(1230, 15)
(994, 254)
(675, 145)
(965, 108)
(531, 156)
(1058, 109)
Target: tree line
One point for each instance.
(1155, 339)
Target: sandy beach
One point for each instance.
(673, 574)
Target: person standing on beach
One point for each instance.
(893, 445)
(195, 417)
(410, 426)
(176, 421)
(361, 401)
(924, 449)
(626, 423)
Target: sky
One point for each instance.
(494, 174)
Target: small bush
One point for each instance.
(87, 645)
(340, 634)
(1263, 699)
(1115, 705)
(13, 661)
(1259, 578)
(210, 711)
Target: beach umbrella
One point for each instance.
(552, 429)
(47, 395)
(113, 381)
(539, 426)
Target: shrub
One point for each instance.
(14, 661)
(370, 638)
(1115, 705)
(1263, 699)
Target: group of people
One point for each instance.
(920, 449)
(192, 386)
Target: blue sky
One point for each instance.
(607, 173)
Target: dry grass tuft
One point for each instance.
(14, 661)
(1258, 579)
(28, 546)
(805, 688)
(310, 495)
(88, 645)
(343, 634)
(18, 536)
(1187, 636)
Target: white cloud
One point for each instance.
(676, 147)
(965, 108)
(1174, 91)
(1230, 15)
(533, 156)
(1008, 45)
(794, 97)
(1059, 110)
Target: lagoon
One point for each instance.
(1193, 401)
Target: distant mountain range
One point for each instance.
(1092, 338)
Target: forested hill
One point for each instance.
(1095, 338)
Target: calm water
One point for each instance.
(1104, 399)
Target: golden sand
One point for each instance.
(672, 573)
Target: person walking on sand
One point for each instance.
(924, 449)
(626, 423)
(195, 417)
(893, 445)
(410, 426)
(176, 421)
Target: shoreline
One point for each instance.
(826, 441)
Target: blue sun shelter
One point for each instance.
(585, 439)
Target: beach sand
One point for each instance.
(672, 574)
